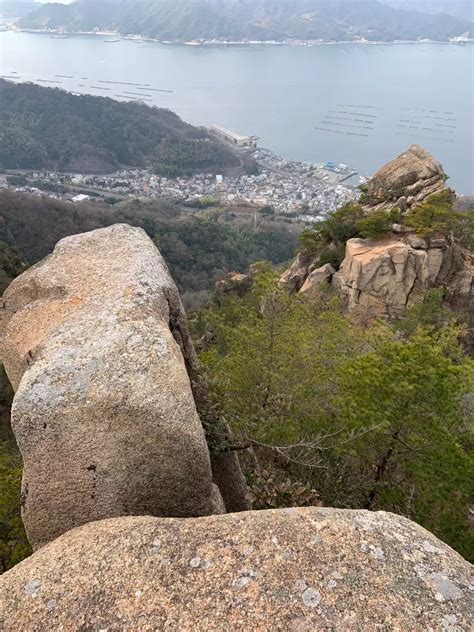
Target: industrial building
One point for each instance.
(235, 139)
(78, 199)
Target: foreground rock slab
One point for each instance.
(103, 414)
(300, 569)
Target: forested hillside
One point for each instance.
(463, 9)
(48, 128)
(343, 413)
(199, 247)
(341, 399)
(341, 20)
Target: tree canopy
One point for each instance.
(49, 128)
(375, 416)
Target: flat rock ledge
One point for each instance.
(301, 569)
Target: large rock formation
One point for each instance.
(382, 277)
(289, 569)
(234, 283)
(103, 414)
(385, 276)
(406, 181)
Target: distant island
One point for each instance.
(239, 21)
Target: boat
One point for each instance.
(114, 41)
(59, 36)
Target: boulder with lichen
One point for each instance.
(286, 569)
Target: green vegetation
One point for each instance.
(267, 209)
(435, 217)
(13, 543)
(199, 249)
(377, 224)
(17, 181)
(206, 201)
(342, 224)
(11, 265)
(46, 128)
(179, 157)
(328, 238)
(374, 417)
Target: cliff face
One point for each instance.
(278, 570)
(386, 276)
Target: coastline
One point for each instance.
(226, 43)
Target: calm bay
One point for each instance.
(355, 104)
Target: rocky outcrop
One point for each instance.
(96, 346)
(406, 181)
(384, 277)
(294, 278)
(235, 283)
(287, 569)
(317, 280)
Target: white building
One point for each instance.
(232, 137)
(80, 198)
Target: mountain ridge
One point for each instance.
(265, 20)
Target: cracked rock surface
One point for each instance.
(103, 414)
(301, 569)
(383, 277)
(406, 181)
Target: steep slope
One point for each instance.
(48, 128)
(198, 249)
